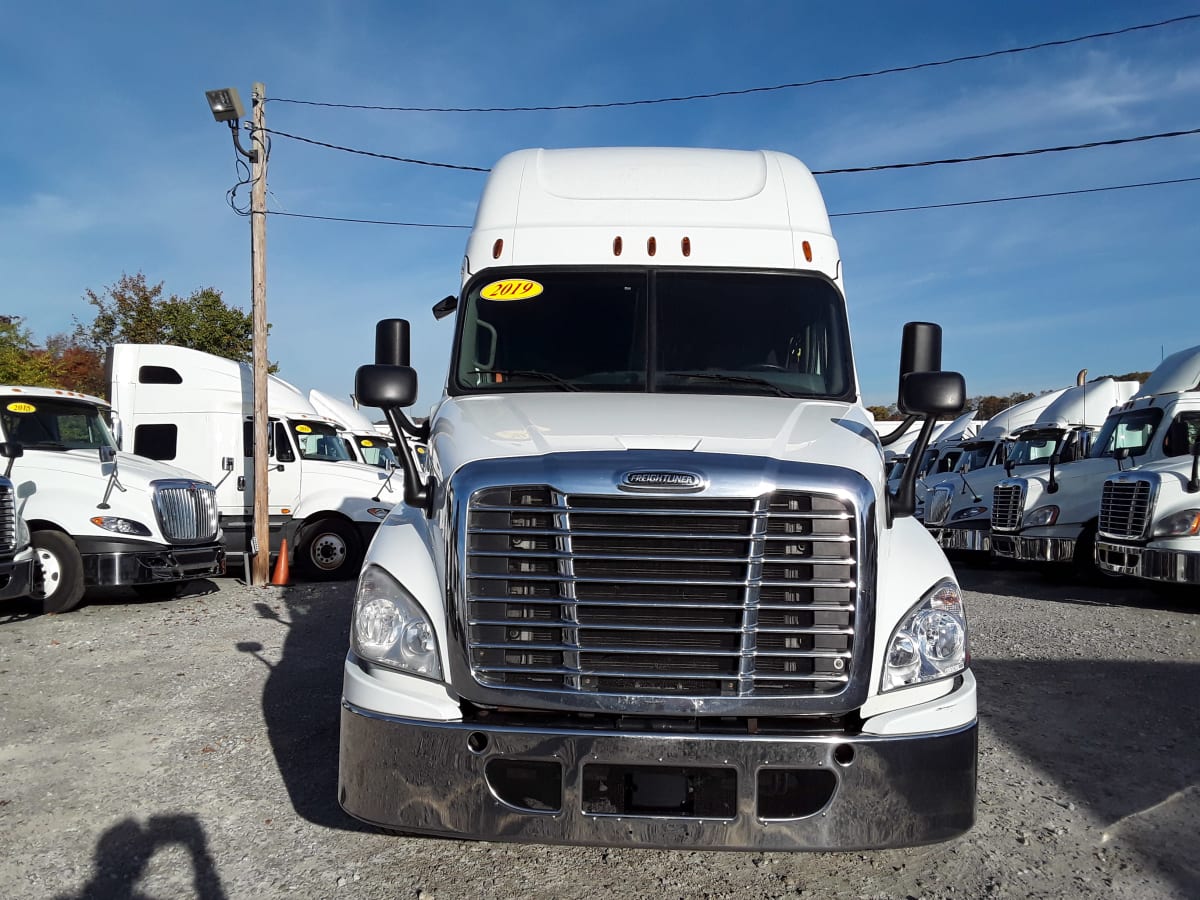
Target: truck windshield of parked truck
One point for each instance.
(376, 452)
(319, 440)
(1034, 448)
(975, 455)
(44, 423)
(1131, 430)
(711, 332)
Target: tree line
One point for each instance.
(131, 311)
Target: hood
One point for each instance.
(345, 469)
(534, 424)
(135, 472)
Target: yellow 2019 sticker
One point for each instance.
(511, 289)
(22, 407)
(304, 429)
(367, 443)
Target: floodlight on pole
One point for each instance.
(226, 106)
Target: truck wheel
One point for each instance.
(328, 550)
(58, 572)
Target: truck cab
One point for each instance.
(99, 517)
(654, 590)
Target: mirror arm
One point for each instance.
(904, 501)
(898, 432)
(1052, 485)
(416, 489)
(1193, 485)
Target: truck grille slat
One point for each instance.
(187, 511)
(660, 596)
(1125, 506)
(8, 520)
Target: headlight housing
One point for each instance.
(1043, 515)
(970, 512)
(379, 512)
(930, 642)
(121, 526)
(390, 628)
(23, 536)
(1185, 523)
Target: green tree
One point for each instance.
(21, 361)
(883, 413)
(135, 312)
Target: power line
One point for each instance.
(754, 90)
(1009, 154)
(865, 212)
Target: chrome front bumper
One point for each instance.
(654, 789)
(975, 538)
(1033, 549)
(151, 566)
(1173, 566)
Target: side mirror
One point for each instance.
(1121, 454)
(12, 450)
(445, 307)
(933, 394)
(107, 454)
(226, 463)
(386, 386)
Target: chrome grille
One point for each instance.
(1125, 508)
(654, 596)
(1007, 500)
(186, 510)
(8, 519)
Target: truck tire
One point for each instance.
(58, 576)
(328, 550)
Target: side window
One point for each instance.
(158, 375)
(156, 441)
(283, 446)
(248, 440)
(1182, 435)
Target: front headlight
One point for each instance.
(390, 628)
(1185, 523)
(1043, 515)
(930, 642)
(379, 512)
(121, 526)
(969, 513)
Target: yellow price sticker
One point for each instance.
(304, 429)
(22, 407)
(367, 443)
(511, 289)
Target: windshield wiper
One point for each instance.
(734, 379)
(545, 376)
(46, 445)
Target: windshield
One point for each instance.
(1130, 430)
(375, 451)
(654, 330)
(319, 440)
(44, 423)
(975, 456)
(1034, 448)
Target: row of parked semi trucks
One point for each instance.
(155, 489)
(1101, 475)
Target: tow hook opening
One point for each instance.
(843, 754)
(477, 742)
(534, 786)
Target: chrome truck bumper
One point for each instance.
(973, 537)
(110, 563)
(1153, 563)
(654, 789)
(1033, 549)
(16, 577)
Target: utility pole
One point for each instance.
(261, 562)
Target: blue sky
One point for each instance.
(111, 163)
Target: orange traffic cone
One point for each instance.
(282, 575)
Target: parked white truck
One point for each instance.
(653, 591)
(1051, 514)
(958, 507)
(196, 410)
(363, 441)
(98, 517)
(16, 550)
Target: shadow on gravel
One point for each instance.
(125, 850)
(1118, 737)
(1034, 584)
(27, 608)
(303, 693)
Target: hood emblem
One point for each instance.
(662, 480)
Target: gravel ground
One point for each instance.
(189, 748)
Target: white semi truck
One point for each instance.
(16, 550)
(653, 591)
(958, 507)
(1050, 515)
(196, 410)
(100, 518)
(363, 441)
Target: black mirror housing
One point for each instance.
(107, 454)
(933, 394)
(11, 450)
(386, 386)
